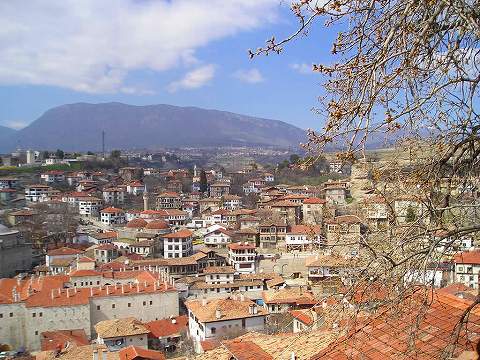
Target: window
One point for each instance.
(1, 316)
(213, 330)
(113, 306)
(98, 307)
(36, 332)
(129, 304)
(11, 314)
(151, 302)
(144, 303)
(34, 315)
(40, 314)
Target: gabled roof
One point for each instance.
(157, 225)
(167, 327)
(184, 233)
(468, 257)
(120, 327)
(64, 251)
(137, 353)
(219, 270)
(229, 309)
(112, 210)
(136, 223)
(52, 340)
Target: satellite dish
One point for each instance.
(119, 342)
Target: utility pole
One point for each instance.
(103, 144)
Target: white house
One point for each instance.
(89, 206)
(302, 236)
(114, 195)
(218, 238)
(232, 202)
(467, 268)
(53, 176)
(222, 317)
(242, 256)
(34, 193)
(112, 216)
(177, 244)
(135, 188)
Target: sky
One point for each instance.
(179, 52)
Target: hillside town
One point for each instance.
(217, 263)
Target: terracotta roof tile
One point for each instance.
(168, 327)
(138, 353)
(229, 309)
(120, 327)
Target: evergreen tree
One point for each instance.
(203, 181)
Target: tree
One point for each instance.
(410, 216)
(203, 181)
(115, 154)
(294, 158)
(59, 154)
(45, 154)
(405, 73)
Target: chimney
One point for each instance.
(68, 293)
(174, 321)
(218, 314)
(104, 354)
(242, 297)
(108, 290)
(95, 354)
(204, 301)
(123, 290)
(91, 291)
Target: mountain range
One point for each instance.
(78, 127)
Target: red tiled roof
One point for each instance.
(136, 223)
(241, 246)
(314, 201)
(81, 273)
(64, 251)
(468, 257)
(209, 344)
(305, 229)
(138, 353)
(303, 316)
(85, 259)
(157, 225)
(167, 327)
(53, 340)
(105, 235)
(112, 210)
(389, 333)
(246, 350)
(184, 233)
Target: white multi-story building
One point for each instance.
(8, 183)
(304, 236)
(177, 244)
(114, 195)
(242, 257)
(218, 237)
(232, 202)
(34, 193)
(53, 176)
(112, 216)
(222, 317)
(89, 206)
(467, 268)
(34, 305)
(135, 188)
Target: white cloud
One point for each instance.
(193, 79)
(93, 46)
(302, 68)
(252, 76)
(16, 124)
